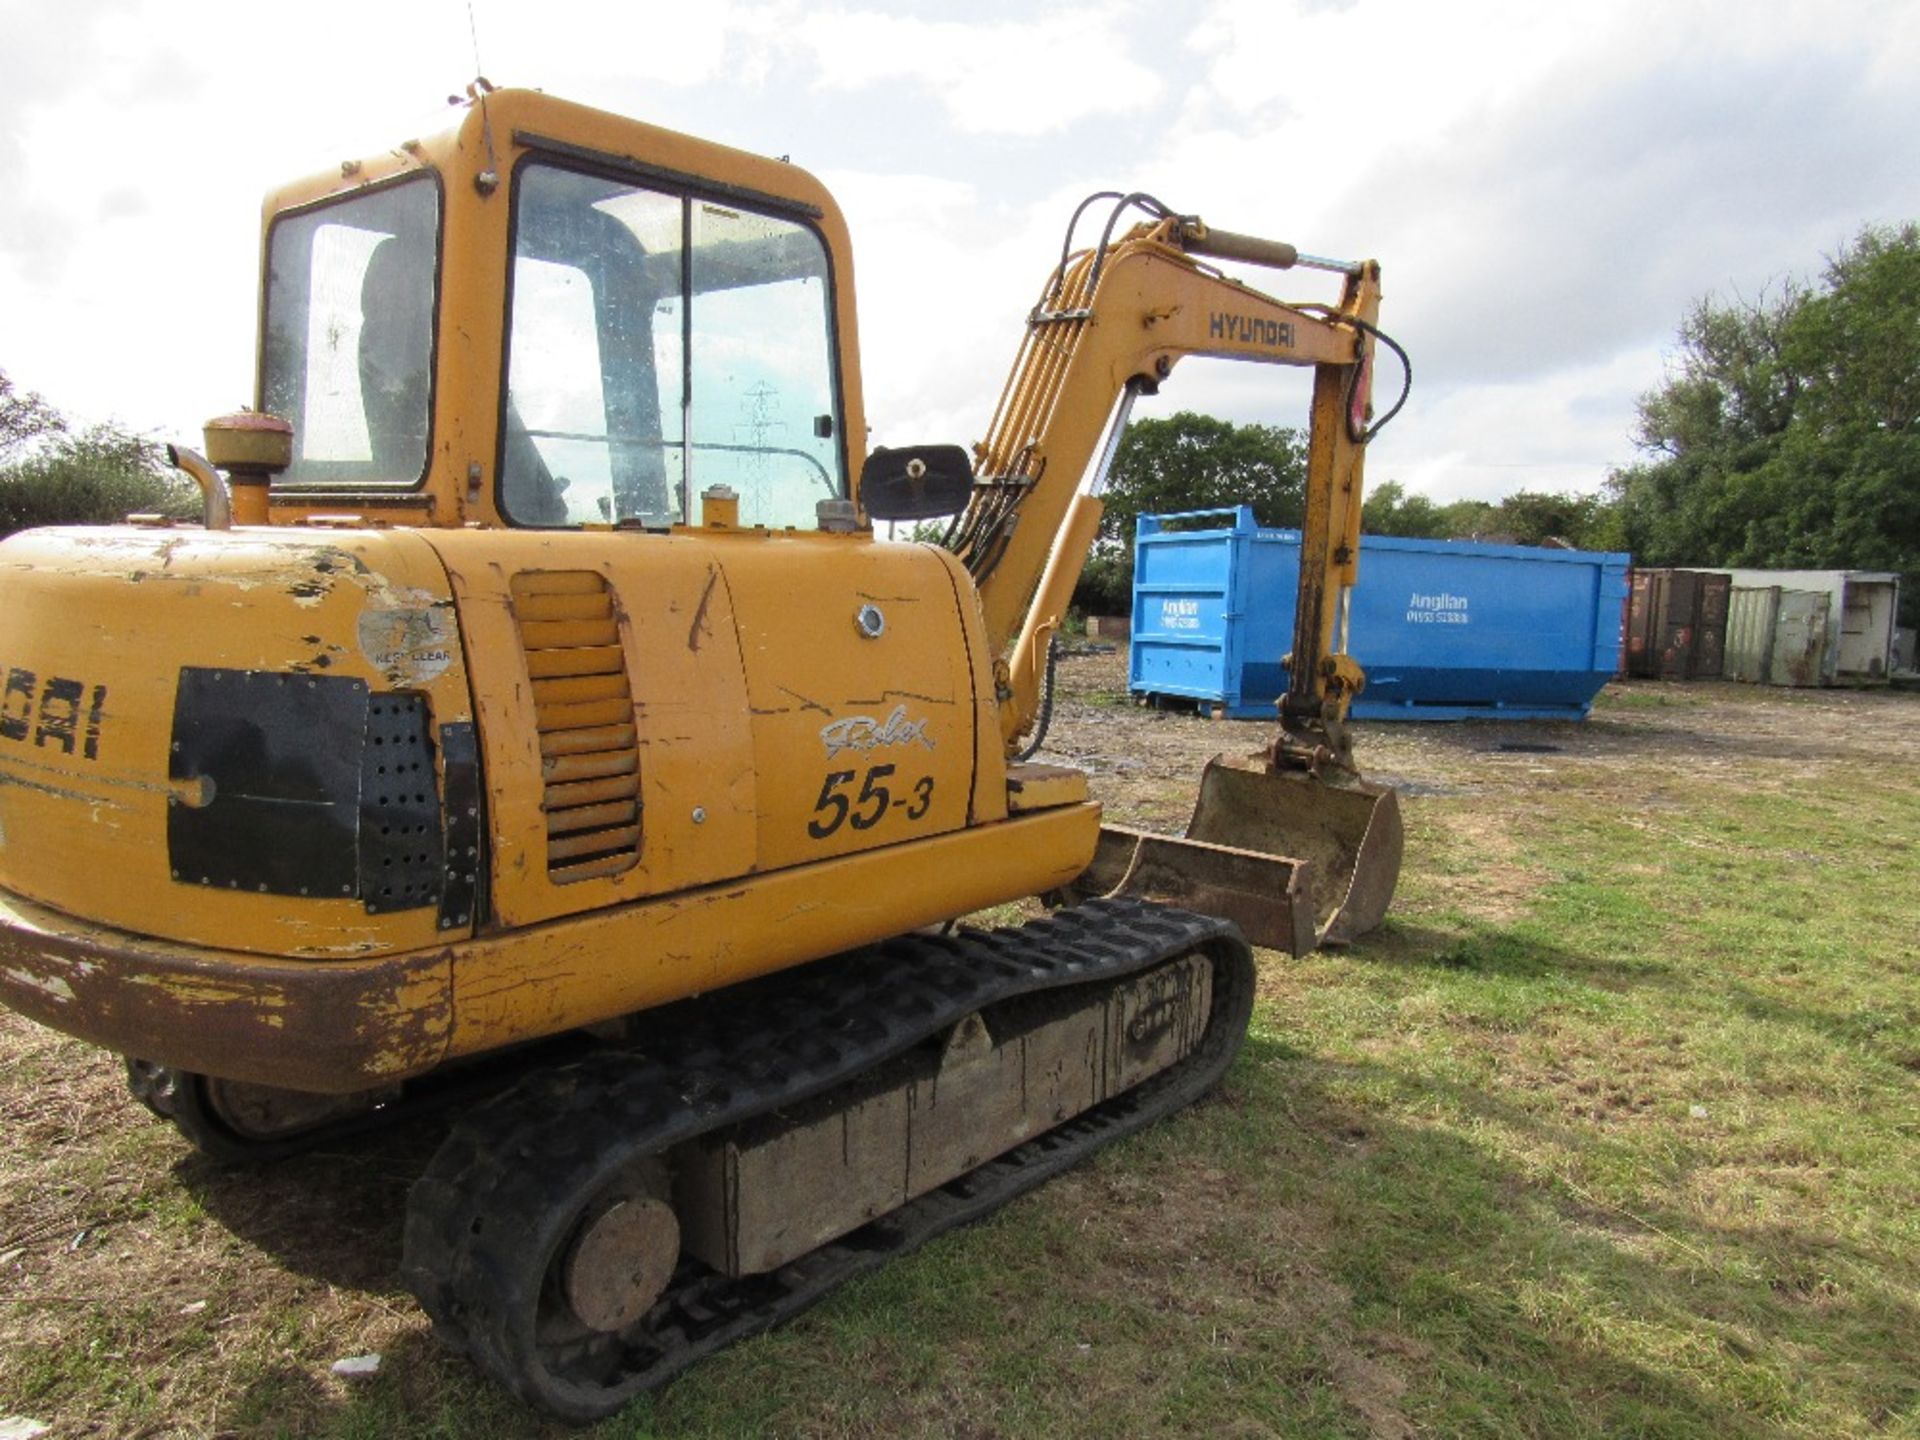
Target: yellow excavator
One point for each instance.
(536, 724)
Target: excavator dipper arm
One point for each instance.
(1290, 843)
(1115, 321)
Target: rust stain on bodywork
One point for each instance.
(699, 628)
(327, 1027)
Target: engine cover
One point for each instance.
(776, 699)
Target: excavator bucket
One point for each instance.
(1297, 862)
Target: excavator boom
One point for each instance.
(1290, 842)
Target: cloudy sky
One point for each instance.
(1546, 185)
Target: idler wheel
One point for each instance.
(620, 1261)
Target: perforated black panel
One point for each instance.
(463, 898)
(306, 785)
(401, 848)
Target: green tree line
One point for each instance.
(1786, 435)
(54, 474)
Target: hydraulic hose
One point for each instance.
(1406, 377)
(1046, 703)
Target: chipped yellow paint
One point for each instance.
(324, 1027)
(203, 990)
(281, 1022)
(611, 963)
(123, 608)
(737, 691)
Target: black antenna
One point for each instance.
(488, 180)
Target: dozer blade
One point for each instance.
(1294, 861)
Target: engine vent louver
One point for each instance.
(583, 708)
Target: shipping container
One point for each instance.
(1677, 624)
(1710, 626)
(1777, 636)
(1750, 626)
(1857, 644)
(1639, 655)
(1446, 630)
(1844, 637)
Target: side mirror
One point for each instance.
(917, 482)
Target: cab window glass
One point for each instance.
(557, 420)
(762, 382)
(643, 370)
(348, 349)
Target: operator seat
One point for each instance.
(396, 349)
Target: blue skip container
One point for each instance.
(1445, 629)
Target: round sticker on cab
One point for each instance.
(410, 646)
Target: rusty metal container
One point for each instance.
(1710, 626)
(1637, 654)
(1677, 624)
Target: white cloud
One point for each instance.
(1548, 187)
(933, 368)
(1026, 77)
(605, 51)
(1558, 431)
(128, 278)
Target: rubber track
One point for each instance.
(499, 1198)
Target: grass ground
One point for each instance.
(1614, 1129)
